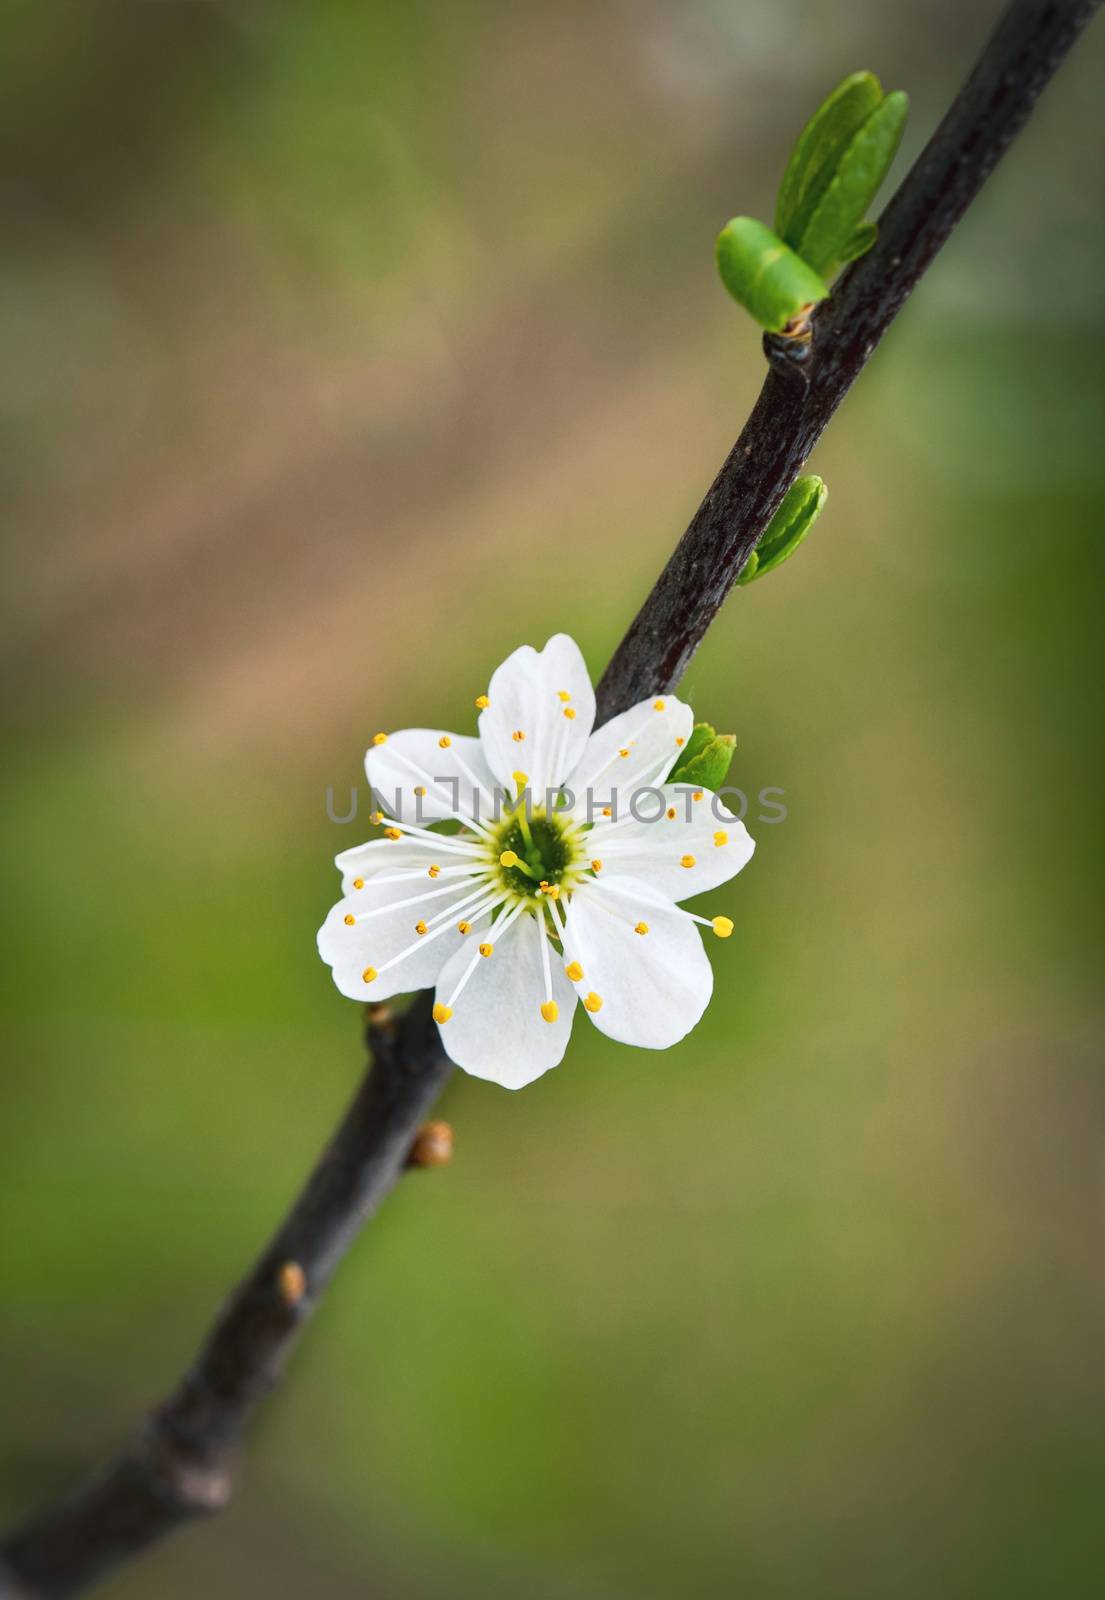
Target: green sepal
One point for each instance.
(768, 279)
(860, 168)
(788, 527)
(705, 758)
(820, 144)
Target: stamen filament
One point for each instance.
(609, 828)
(722, 926)
(478, 955)
(569, 947)
(426, 778)
(546, 965)
(438, 840)
(601, 772)
(461, 907)
(411, 900)
(434, 933)
(416, 872)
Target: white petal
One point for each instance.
(652, 739)
(373, 940)
(654, 986)
(714, 842)
(497, 1030)
(384, 857)
(525, 696)
(413, 758)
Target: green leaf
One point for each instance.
(772, 283)
(860, 242)
(814, 158)
(788, 527)
(705, 759)
(860, 167)
(701, 734)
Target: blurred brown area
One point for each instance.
(347, 348)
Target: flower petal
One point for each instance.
(384, 857)
(702, 845)
(654, 986)
(444, 764)
(545, 696)
(496, 1030)
(383, 928)
(651, 736)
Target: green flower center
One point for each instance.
(549, 849)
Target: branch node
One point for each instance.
(200, 1489)
(432, 1146)
(788, 354)
(381, 1024)
(291, 1282)
(192, 1486)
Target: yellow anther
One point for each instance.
(482, 702)
(349, 919)
(623, 754)
(518, 736)
(434, 872)
(657, 705)
(671, 813)
(641, 927)
(358, 883)
(420, 927)
(680, 742)
(464, 927)
(486, 949)
(686, 861)
(420, 791)
(721, 837)
(544, 886)
(569, 713)
(520, 778)
(442, 1013)
(596, 866)
(606, 811)
(574, 971)
(553, 892)
(723, 927)
(368, 974)
(376, 818)
(699, 794)
(562, 694)
(508, 859)
(593, 1002)
(444, 742)
(379, 738)
(392, 833)
(550, 1010)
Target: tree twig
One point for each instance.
(806, 382)
(180, 1466)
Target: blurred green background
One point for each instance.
(346, 348)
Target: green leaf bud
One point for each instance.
(788, 527)
(770, 281)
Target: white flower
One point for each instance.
(561, 894)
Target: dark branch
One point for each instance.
(180, 1466)
(805, 384)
